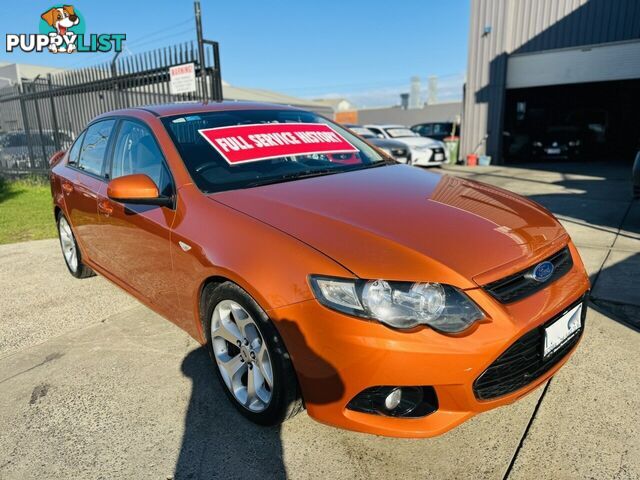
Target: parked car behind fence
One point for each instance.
(14, 148)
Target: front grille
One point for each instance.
(523, 362)
(521, 284)
(435, 152)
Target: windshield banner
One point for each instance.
(250, 143)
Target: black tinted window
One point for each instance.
(136, 151)
(442, 128)
(74, 153)
(94, 147)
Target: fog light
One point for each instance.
(393, 399)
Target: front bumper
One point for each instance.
(337, 356)
(428, 157)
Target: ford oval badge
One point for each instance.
(542, 272)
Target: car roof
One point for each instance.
(184, 108)
(385, 125)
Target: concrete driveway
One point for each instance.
(93, 385)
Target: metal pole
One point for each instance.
(114, 76)
(216, 63)
(54, 116)
(201, 60)
(25, 122)
(39, 120)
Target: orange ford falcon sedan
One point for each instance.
(318, 272)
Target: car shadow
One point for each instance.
(218, 442)
(619, 297)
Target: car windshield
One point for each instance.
(363, 132)
(401, 132)
(264, 146)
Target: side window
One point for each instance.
(94, 147)
(136, 151)
(375, 130)
(426, 130)
(74, 153)
(440, 129)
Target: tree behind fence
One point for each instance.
(43, 115)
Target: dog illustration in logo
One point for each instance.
(61, 19)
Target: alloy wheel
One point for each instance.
(68, 244)
(242, 355)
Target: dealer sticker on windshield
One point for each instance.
(239, 144)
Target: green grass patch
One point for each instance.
(26, 210)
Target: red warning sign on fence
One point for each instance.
(250, 143)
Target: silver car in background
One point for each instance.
(424, 151)
(394, 148)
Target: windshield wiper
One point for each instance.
(293, 176)
(380, 163)
(313, 173)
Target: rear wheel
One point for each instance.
(70, 250)
(251, 360)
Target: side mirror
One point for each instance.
(379, 135)
(137, 189)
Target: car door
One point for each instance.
(84, 181)
(135, 241)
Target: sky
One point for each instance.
(366, 51)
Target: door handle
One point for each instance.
(105, 207)
(67, 187)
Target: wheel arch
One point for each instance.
(219, 278)
(209, 282)
(215, 280)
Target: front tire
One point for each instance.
(249, 356)
(70, 250)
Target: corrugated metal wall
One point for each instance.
(519, 26)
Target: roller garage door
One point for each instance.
(587, 96)
(596, 63)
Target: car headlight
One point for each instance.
(399, 152)
(399, 304)
(537, 144)
(574, 143)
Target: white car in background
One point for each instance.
(424, 151)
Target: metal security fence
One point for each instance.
(43, 115)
